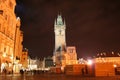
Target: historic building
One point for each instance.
(60, 41)
(24, 58)
(107, 65)
(11, 36)
(63, 55)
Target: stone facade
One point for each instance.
(105, 66)
(11, 36)
(24, 58)
(70, 57)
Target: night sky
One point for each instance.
(93, 26)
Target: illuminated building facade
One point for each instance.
(60, 42)
(107, 64)
(11, 36)
(108, 58)
(62, 55)
(72, 55)
(24, 58)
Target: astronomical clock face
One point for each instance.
(59, 32)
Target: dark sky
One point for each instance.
(93, 26)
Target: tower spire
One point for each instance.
(59, 20)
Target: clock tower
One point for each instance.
(60, 41)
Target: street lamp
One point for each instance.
(90, 62)
(114, 65)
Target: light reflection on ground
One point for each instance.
(53, 77)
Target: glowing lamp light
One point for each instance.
(11, 57)
(115, 65)
(89, 62)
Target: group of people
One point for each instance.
(4, 71)
(7, 71)
(21, 71)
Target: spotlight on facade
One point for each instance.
(89, 62)
(115, 65)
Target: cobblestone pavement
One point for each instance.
(52, 77)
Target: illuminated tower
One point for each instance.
(60, 41)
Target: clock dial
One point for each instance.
(59, 32)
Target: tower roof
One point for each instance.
(59, 20)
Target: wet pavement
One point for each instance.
(52, 77)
